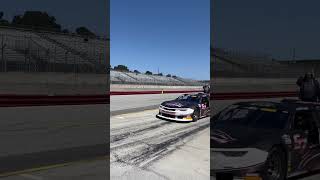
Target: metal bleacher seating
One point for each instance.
(50, 51)
(118, 77)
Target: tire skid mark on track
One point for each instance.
(122, 136)
(134, 126)
(168, 131)
(146, 150)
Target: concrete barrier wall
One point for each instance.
(52, 83)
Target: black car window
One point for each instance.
(270, 120)
(205, 101)
(225, 111)
(191, 98)
(306, 121)
(237, 116)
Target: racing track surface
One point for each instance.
(144, 147)
(42, 136)
(220, 104)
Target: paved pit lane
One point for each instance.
(144, 147)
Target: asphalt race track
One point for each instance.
(41, 137)
(142, 147)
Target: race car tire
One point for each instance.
(276, 166)
(195, 115)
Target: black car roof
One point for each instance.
(262, 104)
(285, 104)
(197, 94)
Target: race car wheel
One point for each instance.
(276, 166)
(195, 115)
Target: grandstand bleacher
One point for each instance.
(119, 77)
(227, 63)
(43, 51)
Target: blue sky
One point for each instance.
(274, 27)
(172, 35)
(69, 13)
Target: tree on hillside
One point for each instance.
(3, 21)
(83, 31)
(121, 68)
(160, 74)
(174, 76)
(168, 75)
(148, 72)
(36, 20)
(136, 71)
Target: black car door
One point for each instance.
(204, 106)
(301, 150)
(311, 160)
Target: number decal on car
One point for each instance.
(299, 142)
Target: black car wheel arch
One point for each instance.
(276, 165)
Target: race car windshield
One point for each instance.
(188, 98)
(239, 116)
(253, 117)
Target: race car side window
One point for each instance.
(226, 111)
(205, 101)
(237, 115)
(302, 120)
(306, 121)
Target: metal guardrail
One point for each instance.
(112, 93)
(44, 100)
(252, 95)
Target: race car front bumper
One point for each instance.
(237, 161)
(175, 114)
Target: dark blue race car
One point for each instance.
(187, 108)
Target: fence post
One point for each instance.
(2, 53)
(54, 59)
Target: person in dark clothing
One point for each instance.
(309, 88)
(206, 88)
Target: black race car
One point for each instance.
(187, 107)
(265, 140)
